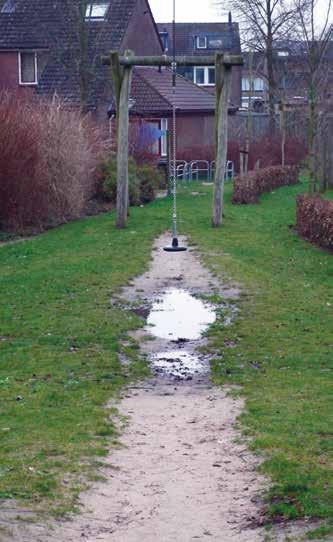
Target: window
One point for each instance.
(199, 76)
(9, 6)
(204, 76)
(28, 68)
(211, 76)
(257, 84)
(164, 138)
(215, 43)
(97, 10)
(201, 42)
(245, 84)
(283, 53)
(165, 40)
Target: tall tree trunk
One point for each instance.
(223, 87)
(283, 132)
(249, 120)
(312, 135)
(270, 68)
(83, 60)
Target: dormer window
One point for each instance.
(9, 6)
(96, 11)
(28, 72)
(165, 39)
(215, 43)
(201, 42)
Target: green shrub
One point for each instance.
(150, 178)
(143, 181)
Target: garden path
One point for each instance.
(183, 473)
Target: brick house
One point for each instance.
(153, 95)
(42, 53)
(205, 39)
(40, 45)
(291, 73)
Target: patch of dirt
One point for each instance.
(183, 474)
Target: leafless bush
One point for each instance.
(249, 189)
(315, 220)
(48, 156)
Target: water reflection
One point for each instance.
(178, 363)
(179, 315)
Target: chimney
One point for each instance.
(230, 18)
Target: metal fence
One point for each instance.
(198, 170)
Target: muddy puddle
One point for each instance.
(178, 320)
(177, 315)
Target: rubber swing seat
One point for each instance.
(175, 247)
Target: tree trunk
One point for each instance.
(270, 68)
(249, 122)
(223, 87)
(83, 61)
(283, 132)
(312, 134)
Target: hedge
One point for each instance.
(249, 189)
(315, 220)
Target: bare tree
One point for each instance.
(83, 35)
(263, 22)
(317, 40)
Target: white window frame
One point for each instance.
(164, 138)
(258, 87)
(93, 4)
(206, 82)
(198, 38)
(90, 10)
(255, 87)
(23, 83)
(245, 84)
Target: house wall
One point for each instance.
(195, 132)
(142, 35)
(9, 72)
(236, 85)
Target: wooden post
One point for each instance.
(121, 70)
(122, 85)
(223, 87)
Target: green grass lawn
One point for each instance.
(59, 342)
(60, 338)
(284, 344)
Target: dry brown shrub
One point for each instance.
(248, 189)
(315, 220)
(48, 158)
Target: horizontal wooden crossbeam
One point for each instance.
(228, 60)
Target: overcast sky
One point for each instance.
(198, 10)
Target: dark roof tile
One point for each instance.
(187, 32)
(153, 92)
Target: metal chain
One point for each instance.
(174, 159)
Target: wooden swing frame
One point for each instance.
(122, 67)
